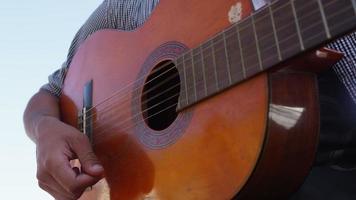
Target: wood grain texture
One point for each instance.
(291, 140)
(223, 141)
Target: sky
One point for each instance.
(34, 40)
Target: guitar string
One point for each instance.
(154, 71)
(159, 94)
(260, 39)
(110, 106)
(133, 125)
(210, 77)
(102, 132)
(107, 128)
(126, 128)
(92, 115)
(126, 121)
(120, 124)
(123, 113)
(98, 141)
(222, 32)
(200, 59)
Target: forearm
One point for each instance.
(41, 106)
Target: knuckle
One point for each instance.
(52, 163)
(41, 185)
(76, 139)
(89, 157)
(39, 175)
(48, 162)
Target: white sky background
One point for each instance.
(34, 39)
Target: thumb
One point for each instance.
(88, 160)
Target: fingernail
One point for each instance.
(97, 168)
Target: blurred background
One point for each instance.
(34, 39)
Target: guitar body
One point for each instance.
(255, 140)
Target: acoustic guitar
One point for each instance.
(204, 100)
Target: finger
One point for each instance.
(88, 160)
(54, 193)
(70, 181)
(44, 178)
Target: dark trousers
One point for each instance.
(333, 176)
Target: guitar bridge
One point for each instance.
(85, 115)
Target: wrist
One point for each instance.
(42, 125)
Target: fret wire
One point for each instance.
(325, 23)
(270, 47)
(185, 80)
(286, 25)
(297, 24)
(211, 77)
(227, 60)
(214, 65)
(265, 36)
(249, 56)
(312, 25)
(275, 33)
(239, 41)
(304, 5)
(256, 41)
(257, 20)
(353, 7)
(216, 35)
(269, 58)
(194, 81)
(307, 15)
(241, 38)
(280, 29)
(235, 25)
(216, 49)
(203, 68)
(287, 38)
(241, 56)
(280, 7)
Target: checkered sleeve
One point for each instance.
(111, 14)
(346, 67)
(129, 14)
(98, 20)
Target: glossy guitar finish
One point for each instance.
(252, 141)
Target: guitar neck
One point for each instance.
(270, 36)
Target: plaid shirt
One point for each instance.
(129, 14)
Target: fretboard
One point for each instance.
(272, 35)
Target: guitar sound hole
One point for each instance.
(160, 96)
